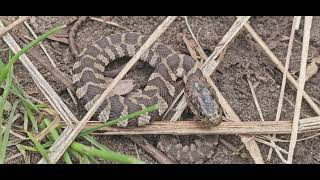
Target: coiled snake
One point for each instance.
(161, 88)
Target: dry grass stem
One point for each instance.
(255, 100)
(232, 127)
(14, 133)
(4, 30)
(41, 45)
(210, 65)
(302, 76)
(274, 146)
(12, 157)
(194, 38)
(150, 149)
(284, 77)
(55, 123)
(286, 68)
(200, 128)
(278, 64)
(297, 24)
(137, 152)
(109, 22)
(229, 145)
(271, 144)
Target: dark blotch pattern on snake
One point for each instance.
(161, 88)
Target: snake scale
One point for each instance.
(161, 88)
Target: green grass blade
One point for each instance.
(113, 122)
(17, 90)
(6, 134)
(15, 58)
(75, 154)
(34, 149)
(5, 94)
(93, 160)
(40, 148)
(28, 148)
(103, 154)
(67, 158)
(84, 160)
(11, 54)
(55, 135)
(106, 155)
(95, 143)
(7, 105)
(9, 124)
(42, 106)
(33, 120)
(23, 152)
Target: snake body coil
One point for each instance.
(161, 88)
(90, 82)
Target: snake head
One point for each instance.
(201, 99)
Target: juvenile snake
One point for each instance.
(170, 66)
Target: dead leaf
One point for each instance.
(312, 69)
(7, 105)
(59, 38)
(123, 87)
(190, 47)
(196, 52)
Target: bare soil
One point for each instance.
(243, 60)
